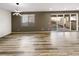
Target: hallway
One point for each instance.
(40, 44)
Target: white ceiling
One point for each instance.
(25, 7)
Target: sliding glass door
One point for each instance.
(64, 22)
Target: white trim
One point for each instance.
(77, 22)
(70, 22)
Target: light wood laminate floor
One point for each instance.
(37, 44)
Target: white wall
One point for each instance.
(5, 23)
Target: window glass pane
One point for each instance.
(24, 20)
(31, 18)
(28, 20)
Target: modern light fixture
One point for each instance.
(17, 11)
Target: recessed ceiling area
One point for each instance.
(26, 7)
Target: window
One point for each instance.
(28, 20)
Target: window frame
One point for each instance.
(29, 23)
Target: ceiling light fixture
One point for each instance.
(17, 12)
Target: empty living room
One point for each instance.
(39, 29)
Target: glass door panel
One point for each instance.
(66, 22)
(60, 23)
(73, 20)
(53, 24)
